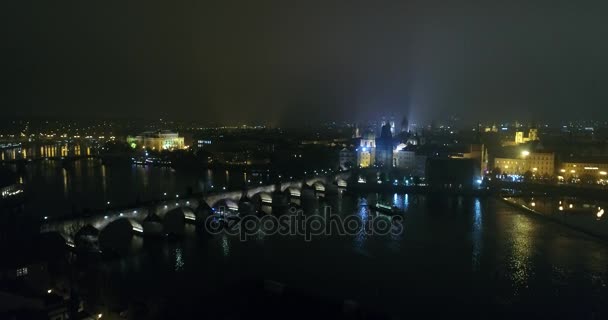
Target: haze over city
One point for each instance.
(291, 62)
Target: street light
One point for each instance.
(525, 153)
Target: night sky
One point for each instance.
(284, 62)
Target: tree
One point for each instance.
(496, 172)
(588, 179)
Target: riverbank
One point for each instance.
(588, 224)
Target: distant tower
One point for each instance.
(519, 137)
(366, 153)
(384, 147)
(405, 125)
(356, 134)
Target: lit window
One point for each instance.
(21, 272)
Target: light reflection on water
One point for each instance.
(179, 260)
(503, 238)
(225, 245)
(361, 237)
(54, 189)
(477, 235)
(519, 263)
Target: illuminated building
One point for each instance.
(590, 169)
(539, 163)
(366, 153)
(157, 140)
(532, 136)
(408, 161)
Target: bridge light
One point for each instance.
(165, 194)
(223, 188)
(561, 208)
(600, 213)
(177, 195)
(165, 206)
(108, 202)
(45, 217)
(105, 217)
(49, 291)
(99, 316)
(120, 214)
(176, 204)
(134, 211)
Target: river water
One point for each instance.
(54, 189)
(479, 254)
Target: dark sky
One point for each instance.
(285, 61)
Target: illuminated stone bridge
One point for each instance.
(149, 219)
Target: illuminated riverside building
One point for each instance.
(539, 163)
(409, 161)
(157, 140)
(590, 169)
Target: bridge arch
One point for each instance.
(50, 237)
(342, 183)
(87, 238)
(262, 198)
(225, 205)
(319, 186)
(294, 192)
(121, 236)
(186, 213)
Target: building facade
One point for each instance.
(157, 140)
(366, 153)
(539, 163)
(588, 169)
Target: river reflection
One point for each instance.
(54, 189)
(478, 250)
